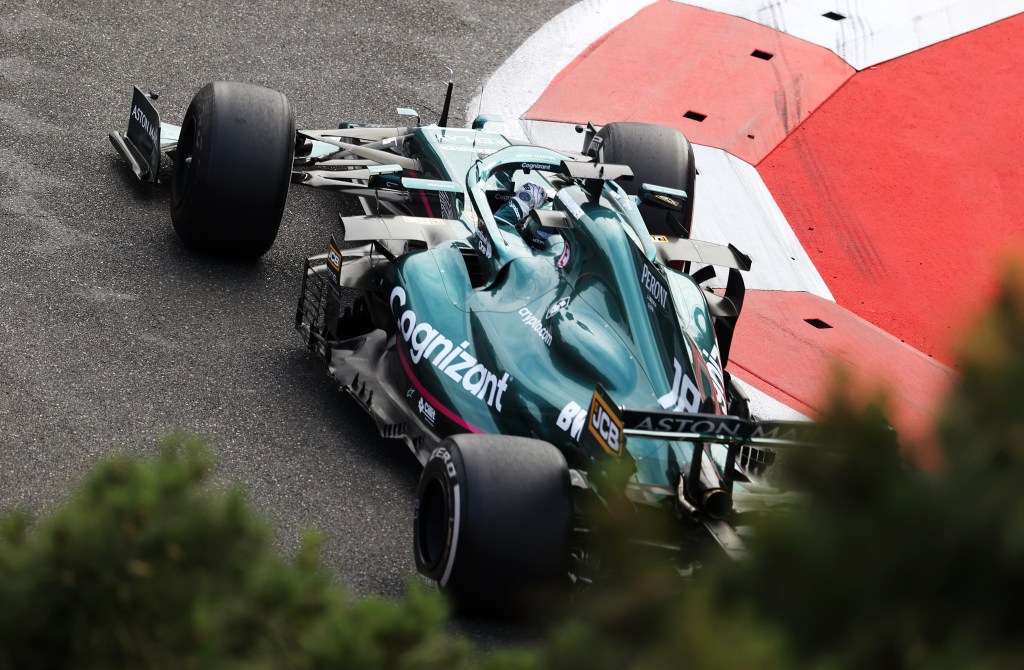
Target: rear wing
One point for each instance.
(721, 429)
(705, 489)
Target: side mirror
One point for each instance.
(662, 197)
(549, 218)
(405, 111)
(482, 120)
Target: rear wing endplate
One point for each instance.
(676, 250)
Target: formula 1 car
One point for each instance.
(515, 371)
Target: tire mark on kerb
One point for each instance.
(519, 82)
(856, 244)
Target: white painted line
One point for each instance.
(733, 205)
(519, 82)
(763, 407)
(871, 31)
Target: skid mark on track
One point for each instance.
(20, 71)
(23, 197)
(28, 17)
(25, 122)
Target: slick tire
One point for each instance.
(658, 155)
(493, 522)
(232, 169)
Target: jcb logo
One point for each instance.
(605, 425)
(334, 259)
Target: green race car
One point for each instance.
(519, 363)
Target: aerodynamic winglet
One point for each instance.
(140, 146)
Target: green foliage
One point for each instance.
(892, 567)
(144, 568)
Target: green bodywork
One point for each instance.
(522, 353)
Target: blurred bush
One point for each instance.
(144, 567)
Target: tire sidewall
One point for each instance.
(241, 140)
(496, 512)
(443, 474)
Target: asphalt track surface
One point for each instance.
(112, 333)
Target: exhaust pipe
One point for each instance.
(716, 502)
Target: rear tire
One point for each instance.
(493, 522)
(232, 169)
(658, 155)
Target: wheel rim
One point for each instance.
(432, 525)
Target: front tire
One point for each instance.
(493, 522)
(232, 169)
(658, 155)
